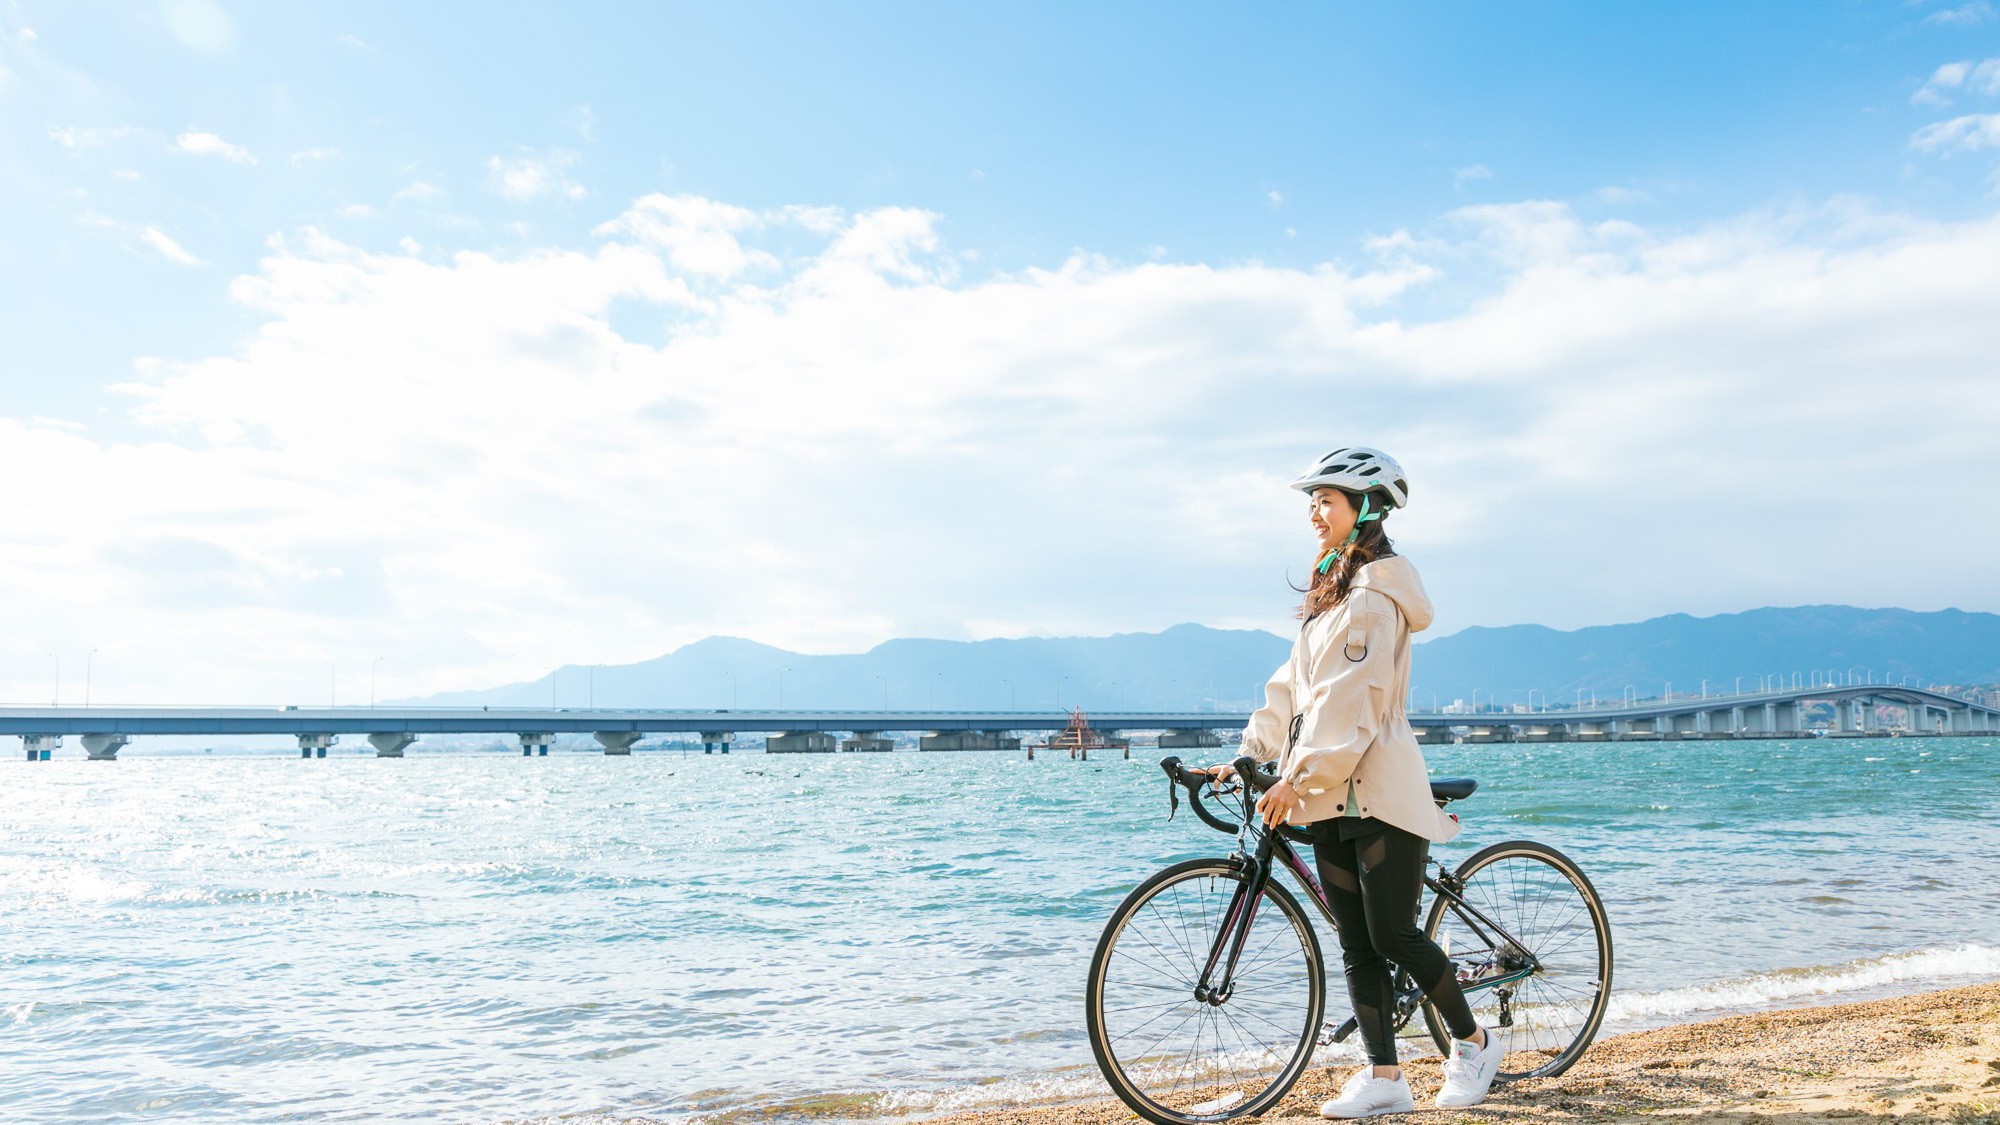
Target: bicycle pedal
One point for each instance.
(1339, 1034)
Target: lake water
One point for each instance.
(485, 938)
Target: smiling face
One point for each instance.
(1333, 516)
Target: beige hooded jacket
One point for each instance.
(1348, 678)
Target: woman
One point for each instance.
(1349, 770)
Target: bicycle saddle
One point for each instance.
(1452, 788)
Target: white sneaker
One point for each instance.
(1469, 1072)
(1366, 1095)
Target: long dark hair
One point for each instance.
(1326, 591)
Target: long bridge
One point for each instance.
(1858, 710)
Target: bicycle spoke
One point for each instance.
(1164, 1051)
(1549, 921)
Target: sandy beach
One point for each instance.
(1934, 1056)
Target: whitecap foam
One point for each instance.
(1763, 990)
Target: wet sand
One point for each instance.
(1929, 1057)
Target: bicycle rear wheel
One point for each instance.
(1178, 1060)
(1546, 990)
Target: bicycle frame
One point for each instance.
(1228, 944)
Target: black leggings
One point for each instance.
(1373, 883)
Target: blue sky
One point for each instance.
(1467, 228)
(1034, 130)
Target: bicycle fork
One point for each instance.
(1227, 948)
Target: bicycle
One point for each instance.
(1201, 1010)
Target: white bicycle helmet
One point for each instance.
(1360, 470)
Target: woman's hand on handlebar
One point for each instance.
(1278, 804)
(1221, 773)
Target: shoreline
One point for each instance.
(1928, 1056)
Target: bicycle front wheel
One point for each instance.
(1176, 1058)
(1532, 947)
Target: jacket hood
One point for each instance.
(1397, 578)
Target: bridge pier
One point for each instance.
(716, 741)
(866, 742)
(535, 744)
(103, 747)
(1846, 717)
(956, 740)
(617, 742)
(1785, 718)
(799, 742)
(41, 747)
(316, 745)
(1189, 739)
(391, 744)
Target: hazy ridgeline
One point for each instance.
(1196, 668)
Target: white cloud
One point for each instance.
(355, 41)
(699, 236)
(716, 419)
(1965, 15)
(1274, 197)
(199, 143)
(418, 191)
(1459, 176)
(200, 24)
(528, 176)
(70, 136)
(149, 236)
(357, 211)
(168, 248)
(313, 156)
(1945, 78)
(1970, 133)
(1980, 78)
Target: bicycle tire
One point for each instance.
(1126, 1078)
(1596, 989)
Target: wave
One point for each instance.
(1761, 990)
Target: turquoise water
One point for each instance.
(490, 938)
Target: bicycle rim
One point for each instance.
(1543, 899)
(1172, 1058)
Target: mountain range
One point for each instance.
(1194, 667)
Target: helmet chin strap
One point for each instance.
(1327, 559)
